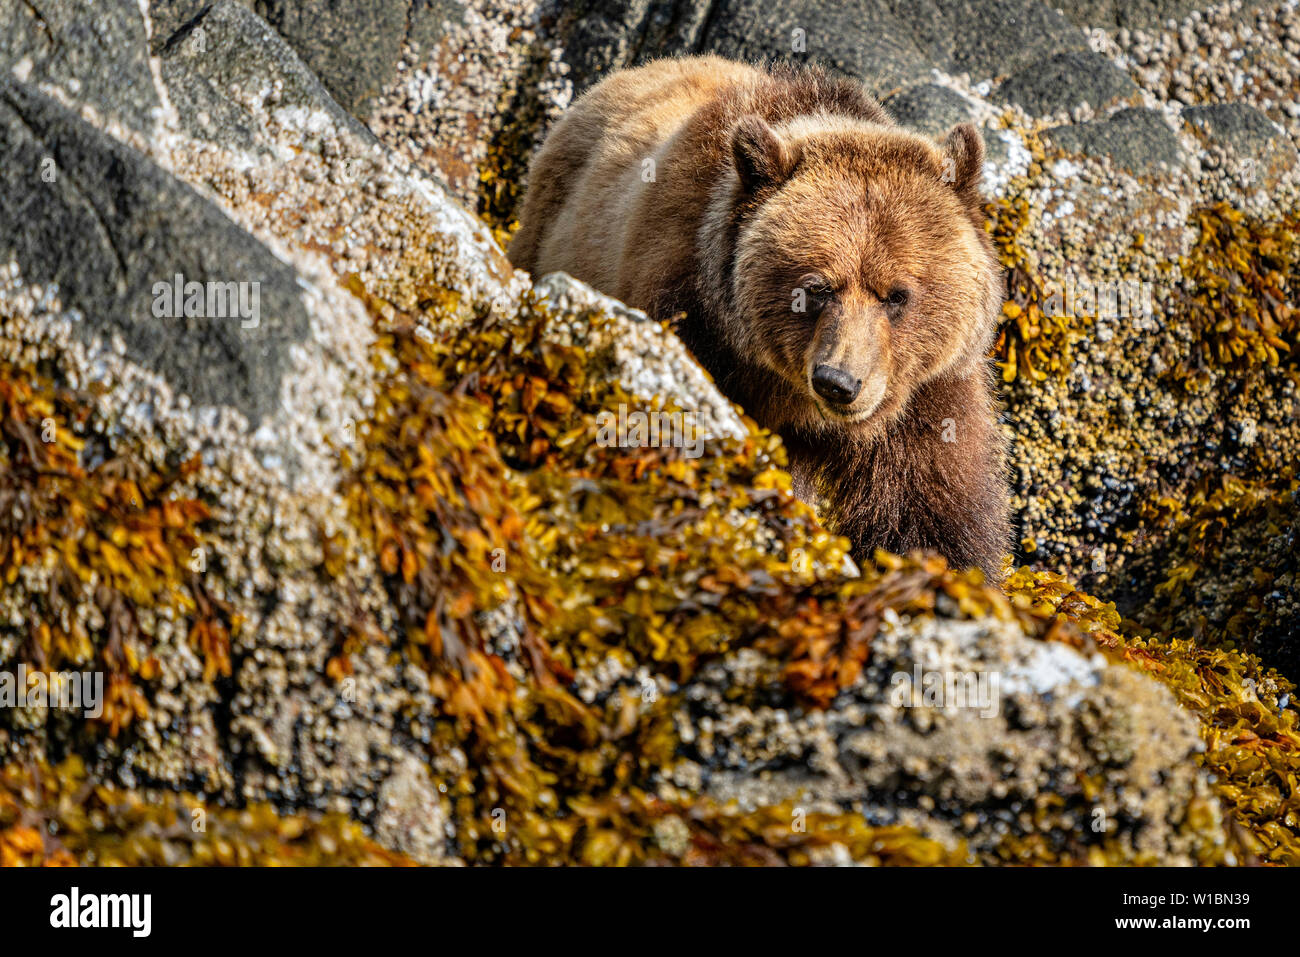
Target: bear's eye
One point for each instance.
(897, 298)
(817, 291)
(813, 294)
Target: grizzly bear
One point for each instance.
(829, 269)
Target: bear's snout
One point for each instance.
(835, 385)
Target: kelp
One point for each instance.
(55, 816)
(111, 535)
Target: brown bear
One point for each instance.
(831, 271)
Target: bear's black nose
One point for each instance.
(835, 385)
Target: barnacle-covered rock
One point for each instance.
(90, 206)
(1026, 750)
(1230, 572)
(397, 591)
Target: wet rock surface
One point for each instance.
(365, 577)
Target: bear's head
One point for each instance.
(860, 268)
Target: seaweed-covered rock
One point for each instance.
(401, 587)
(1227, 575)
(973, 729)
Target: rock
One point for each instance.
(987, 38)
(430, 603)
(885, 44)
(412, 817)
(225, 51)
(637, 352)
(170, 16)
(863, 40)
(930, 108)
(950, 716)
(1241, 127)
(1064, 81)
(888, 45)
(1258, 612)
(1247, 136)
(82, 212)
(92, 50)
(600, 35)
(1133, 139)
(354, 45)
(933, 110)
(1137, 14)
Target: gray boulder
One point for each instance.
(354, 45)
(1137, 140)
(888, 44)
(1243, 132)
(80, 210)
(93, 50)
(986, 38)
(863, 40)
(602, 35)
(1066, 80)
(929, 108)
(227, 52)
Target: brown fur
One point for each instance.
(768, 182)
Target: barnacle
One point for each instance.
(658, 560)
(480, 497)
(478, 492)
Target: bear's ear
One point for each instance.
(963, 166)
(760, 156)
